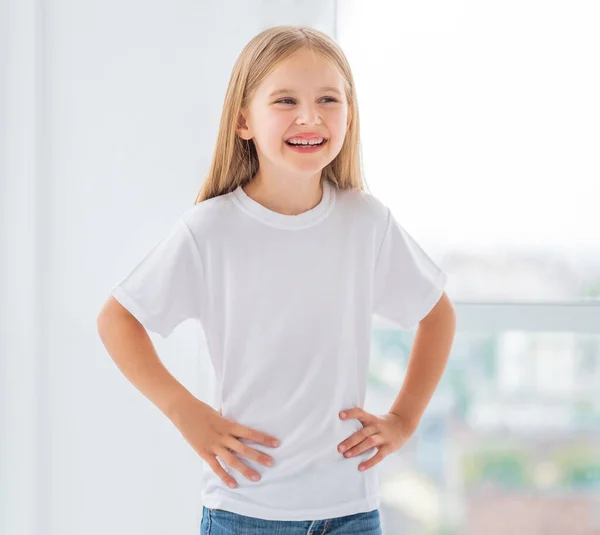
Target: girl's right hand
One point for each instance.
(210, 434)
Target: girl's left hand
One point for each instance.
(387, 433)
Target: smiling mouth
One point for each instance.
(307, 145)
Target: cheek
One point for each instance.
(337, 129)
(268, 129)
(272, 132)
(339, 120)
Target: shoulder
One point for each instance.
(209, 215)
(363, 205)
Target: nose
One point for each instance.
(309, 114)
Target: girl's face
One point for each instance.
(302, 96)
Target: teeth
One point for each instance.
(305, 142)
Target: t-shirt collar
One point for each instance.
(276, 219)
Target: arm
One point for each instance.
(130, 347)
(428, 357)
(205, 430)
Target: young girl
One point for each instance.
(283, 259)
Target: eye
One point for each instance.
(282, 101)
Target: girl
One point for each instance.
(283, 259)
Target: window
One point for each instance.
(479, 129)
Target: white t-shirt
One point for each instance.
(286, 305)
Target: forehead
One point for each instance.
(303, 70)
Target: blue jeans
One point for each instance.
(219, 522)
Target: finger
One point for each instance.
(241, 431)
(355, 412)
(356, 438)
(367, 444)
(377, 458)
(243, 449)
(238, 465)
(220, 471)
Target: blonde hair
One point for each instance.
(234, 160)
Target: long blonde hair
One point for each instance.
(234, 160)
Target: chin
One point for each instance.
(307, 170)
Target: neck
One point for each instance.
(287, 197)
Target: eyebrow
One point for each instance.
(325, 88)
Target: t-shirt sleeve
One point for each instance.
(407, 282)
(165, 287)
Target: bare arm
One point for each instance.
(131, 349)
(428, 358)
(206, 430)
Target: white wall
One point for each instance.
(109, 115)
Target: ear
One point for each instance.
(242, 126)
